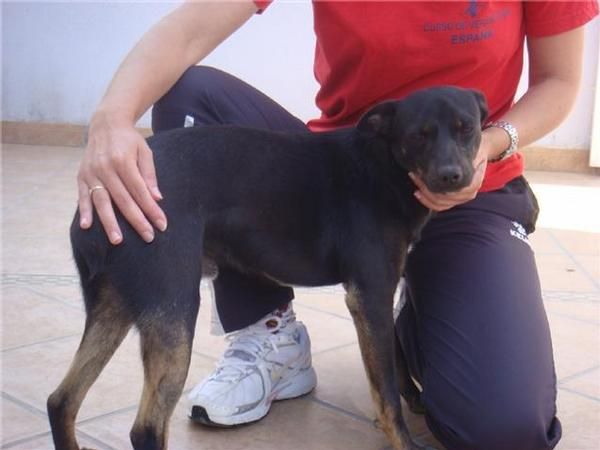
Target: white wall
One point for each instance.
(58, 58)
(576, 130)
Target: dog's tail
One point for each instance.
(90, 249)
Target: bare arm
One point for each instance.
(116, 156)
(554, 76)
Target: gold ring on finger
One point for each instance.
(95, 188)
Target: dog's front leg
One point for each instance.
(371, 310)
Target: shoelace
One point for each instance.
(253, 340)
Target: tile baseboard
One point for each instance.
(52, 134)
(72, 135)
(37, 133)
(551, 159)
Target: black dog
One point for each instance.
(303, 209)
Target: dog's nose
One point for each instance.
(450, 175)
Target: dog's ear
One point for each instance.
(482, 103)
(378, 121)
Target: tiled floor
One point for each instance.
(42, 320)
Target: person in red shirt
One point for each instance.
(471, 317)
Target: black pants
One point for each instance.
(474, 328)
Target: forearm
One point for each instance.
(554, 79)
(117, 160)
(542, 108)
(178, 41)
(554, 75)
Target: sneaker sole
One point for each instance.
(302, 384)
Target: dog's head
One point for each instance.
(434, 133)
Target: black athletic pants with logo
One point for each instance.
(474, 327)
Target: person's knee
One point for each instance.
(196, 83)
(506, 429)
(500, 427)
(196, 90)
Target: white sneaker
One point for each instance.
(267, 361)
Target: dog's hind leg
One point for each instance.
(166, 351)
(171, 298)
(106, 326)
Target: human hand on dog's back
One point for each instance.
(117, 168)
(118, 158)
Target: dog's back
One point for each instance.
(205, 173)
(227, 187)
(235, 195)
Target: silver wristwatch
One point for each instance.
(512, 134)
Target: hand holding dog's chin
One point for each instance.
(446, 200)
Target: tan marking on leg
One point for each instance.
(166, 357)
(105, 329)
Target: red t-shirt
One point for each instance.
(371, 51)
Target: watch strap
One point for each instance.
(512, 134)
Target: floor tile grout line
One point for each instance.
(30, 408)
(42, 414)
(95, 440)
(122, 410)
(575, 293)
(7, 284)
(337, 347)
(580, 394)
(106, 414)
(340, 410)
(42, 274)
(573, 302)
(576, 319)
(24, 440)
(78, 307)
(559, 252)
(33, 437)
(54, 299)
(589, 276)
(578, 374)
(46, 341)
(313, 308)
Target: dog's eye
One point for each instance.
(465, 127)
(417, 138)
